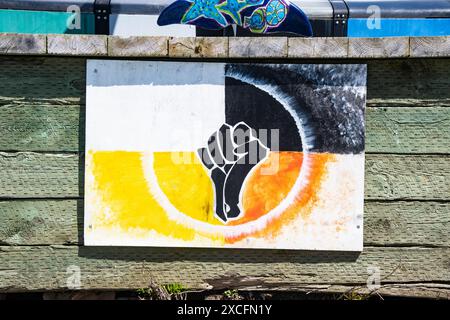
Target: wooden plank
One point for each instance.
(407, 82)
(77, 45)
(408, 130)
(258, 47)
(40, 175)
(416, 290)
(388, 177)
(50, 267)
(395, 47)
(359, 47)
(41, 127)
(46, 222)
(60, 128)
(137, 46)
(407, 223)
(318, 47)
(430, 46)
(36, 79)
(198, 47)
(22, 44)
(396, 177)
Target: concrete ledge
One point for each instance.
(223, 47)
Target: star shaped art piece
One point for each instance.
(206, 9)
(258, 16)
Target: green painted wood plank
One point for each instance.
(35, 79)
(418, 82)
(30, 21)
(57, 126)
(43, 127)
(396, 82)
(388, 177)
(46, 222)
(46, 268)
(408, 130)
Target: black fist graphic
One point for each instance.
(231, 154)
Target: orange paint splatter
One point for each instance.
(290, 164)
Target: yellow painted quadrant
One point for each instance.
(184, 181)
(126, 201)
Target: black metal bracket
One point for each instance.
(340, 18)
(102, 10)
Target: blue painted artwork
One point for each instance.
(259, 16)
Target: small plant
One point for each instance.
(232, 294)
(174, 288)
(144, 293)
(171, 291)
(354, 295)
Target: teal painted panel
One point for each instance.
(22, 21)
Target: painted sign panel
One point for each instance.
(224, 155)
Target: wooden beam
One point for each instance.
(137, 46)
(430, 46)
(77, 45)
(51, 127)
(51, 267)
(198, 47)
(22, 44)
(395, 47)
(386, 223)
(236, 47)
(318, 47)
(388, 177)
(258, 47)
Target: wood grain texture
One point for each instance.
(46, 268)
(42, 127)
(35, 80)
(317, 47)
(258, 47)
(47, 127)
(430, 46)
(75, 45)
(137, 46)
(408, 82)
(394, 47)
(239, 46)
(407, 210)
(390, 177)
(395, 177)
(41, 222)
(60, 128)
(408, 130)
(198, 47)
(47, 222)
(396, 82)
(23, 44)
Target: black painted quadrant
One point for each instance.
(259, 110)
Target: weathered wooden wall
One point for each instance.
(407, 210)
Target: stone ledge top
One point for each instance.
(223, 47)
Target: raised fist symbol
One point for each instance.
(231, 154)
